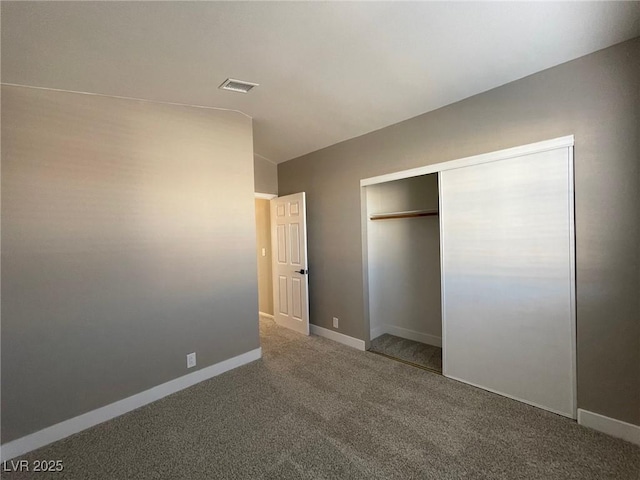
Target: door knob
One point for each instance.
(302, 272)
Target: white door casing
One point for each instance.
(290, 269)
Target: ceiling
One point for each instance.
(327, 71)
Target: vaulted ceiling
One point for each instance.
(327, 71)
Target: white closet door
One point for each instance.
(508, 287)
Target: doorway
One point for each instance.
(263, 254)
(404, 271)
(281, 250)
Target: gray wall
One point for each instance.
(128, 241)
(265, 175)
(594, 97)
(404, 261)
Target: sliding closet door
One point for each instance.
(507, 260)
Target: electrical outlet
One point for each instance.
(191, 360)
(335, 322)
(264, 252)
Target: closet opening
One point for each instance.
(490, 278)
(404, 274)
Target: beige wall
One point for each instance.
(128, 241)
(596, 98)
(263, 235)
(265, 175)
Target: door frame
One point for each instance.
(537, 147)
(264, 196)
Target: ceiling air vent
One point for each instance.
(237, 85)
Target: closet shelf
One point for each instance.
(406, 214)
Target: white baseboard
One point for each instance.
(66, 428)
(610, 426)
(406, 333)
(337, 337)
(266, 315)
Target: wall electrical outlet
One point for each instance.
(335, 322)
(191, 360)
(264, 252)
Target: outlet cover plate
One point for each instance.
(191, 360)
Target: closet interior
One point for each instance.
(403, 238)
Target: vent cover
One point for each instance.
(237, 85)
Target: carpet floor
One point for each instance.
(420, 354)
(314, 409)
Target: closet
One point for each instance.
(404, 270)
(478, 254)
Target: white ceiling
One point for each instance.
(327, 71)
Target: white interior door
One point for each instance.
(508, 281)
(290, 270)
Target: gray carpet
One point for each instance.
(312, 408)
(417, 353)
